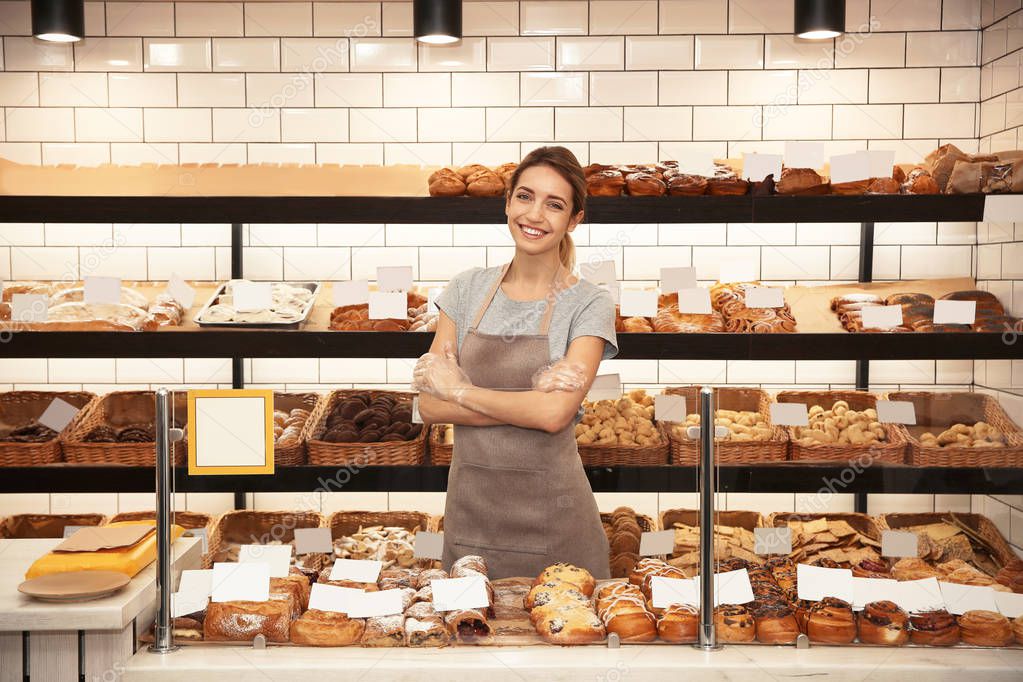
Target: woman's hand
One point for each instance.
(563, 375)
(439, 375)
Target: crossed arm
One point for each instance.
(548, 411)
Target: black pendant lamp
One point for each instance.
(58, 21)
(437, 22)
(820, 19)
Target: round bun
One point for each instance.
(645, 184)
(776, 622)
(831, 621)
(734, 623)
(626, 616)
(883, 622)
(679, 624)
(571, 625)
(605, 183)
(985, 628)
(933, 628)
(578, 577)
(447, 186)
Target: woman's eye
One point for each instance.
(555, 206)
(523, 196)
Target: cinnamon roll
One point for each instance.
(831, 620)
(883, 622)
(985, 628)
(933, 628)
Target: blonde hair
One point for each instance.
(567, 166)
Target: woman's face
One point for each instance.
(539, 210)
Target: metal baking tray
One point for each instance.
(311, 286)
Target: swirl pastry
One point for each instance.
(424, 627)
(734, 623)
(1017, 629)
(776, 621)
(326, 628)
(468, 626)
(684, 184)
(605, 183)
(985, 628)
(883, 622)
(384, 631)
(831, 620)
(933, 628)
(720, 185)
(645, 184)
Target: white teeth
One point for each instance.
(532, 232)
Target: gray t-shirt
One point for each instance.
(583, 309)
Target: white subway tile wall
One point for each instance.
(615, 81)
(999, 244)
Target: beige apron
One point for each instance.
(519, 497)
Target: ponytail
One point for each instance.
(566, 252)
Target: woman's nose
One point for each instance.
(535, 212)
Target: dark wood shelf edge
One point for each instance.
(218, 343)
(793, 477)
(472, 210)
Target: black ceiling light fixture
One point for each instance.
(820, 19)
(58, 21)
(437, 22)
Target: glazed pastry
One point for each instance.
(579, 577)
(1017, 629)
(468, 626)
(326, 628)
(912, 568)
(645, 184)
(985, 628)
(734, 623)
(831, 620)
(933, 628)
(883, 186)
(627, 616)
(428, 576)
(571, 625)
(684, 184)
(241, 621)
(1011, 575)
(883, 622)
(853, 187)
(919, 181)
(776, 622)
(384, 631)
(605, 183)
(721, 185)
(679, 623)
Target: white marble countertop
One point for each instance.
(197, 663)
(19, 612)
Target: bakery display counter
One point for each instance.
(58, 638)
(597, 662)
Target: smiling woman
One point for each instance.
(529, 337)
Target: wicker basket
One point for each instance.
(981, 525)
(440, 452)
(892, 451)
(121, 408)
(346, 523)
(935, 412)
(249, 527)
(862, 523)
(686, 451)
(646, 524)
(734, 518)
(294, 455)
(186, 519)
(21, 407)
(608, 454)
(387, 453)
(22, 526)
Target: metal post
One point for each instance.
(163, 641)
(708, 638)
(238, 363)
(866, 274)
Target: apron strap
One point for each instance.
(550, 298)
